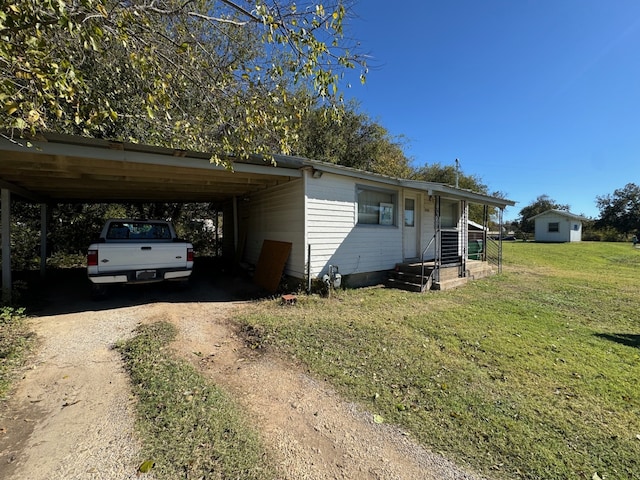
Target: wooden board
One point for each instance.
(271, 262)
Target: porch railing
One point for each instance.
(425, 284)
(449, 247)
(493, 254)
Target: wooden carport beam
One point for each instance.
(20, 191)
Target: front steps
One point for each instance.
(409, 276)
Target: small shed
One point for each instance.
(558, 226)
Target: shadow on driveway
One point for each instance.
(69, 290)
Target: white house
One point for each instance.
(558, 226)
(364, 224)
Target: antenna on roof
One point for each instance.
(457, 171)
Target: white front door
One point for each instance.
(411, 222)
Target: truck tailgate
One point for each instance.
(140, 256)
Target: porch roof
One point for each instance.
(431, 188)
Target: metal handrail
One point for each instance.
(493, 253)
(422, 261)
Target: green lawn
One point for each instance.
(531, 374)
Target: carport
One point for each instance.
(54, 168)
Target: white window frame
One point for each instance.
(378, 211)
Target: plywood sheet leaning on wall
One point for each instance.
(271, 262)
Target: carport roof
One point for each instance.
(71, 168)
(65, 168)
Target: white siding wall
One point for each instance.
(331, 226)
(276, 214)
(334, 235)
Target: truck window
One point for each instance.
(118, 231)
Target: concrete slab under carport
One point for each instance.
(55, 168)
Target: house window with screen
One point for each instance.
(376, 207)
(554, 227)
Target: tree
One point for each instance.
(446, 174)
(620, 211)
(200, 74)
(541, 204)
(352, 139)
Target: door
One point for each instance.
(410, 228)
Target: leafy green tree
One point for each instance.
(541, 204)
(352, 139)
(620, 211)
(201, 74)
(446, 174)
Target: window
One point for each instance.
(409, 212)
(449, 214)
(376, 207)
(554, 227)
(138, 230)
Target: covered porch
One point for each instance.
(458, 252)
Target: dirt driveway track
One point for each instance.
(71, 416)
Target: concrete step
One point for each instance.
(401, 285)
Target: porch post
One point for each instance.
(5, 205)
(465, 236)
(500, 240)
(438, 250)
(485, 231)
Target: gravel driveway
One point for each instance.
(71, 416)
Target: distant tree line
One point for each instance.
(619, 216)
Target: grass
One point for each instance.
(532, 374)
(190, 428)
(16, 342)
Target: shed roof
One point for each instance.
(560, 213)
(66, 168)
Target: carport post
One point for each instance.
(235, 225)
(43, 239)
(5, 206)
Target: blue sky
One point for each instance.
(534, 97)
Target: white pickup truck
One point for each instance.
(138, 251)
